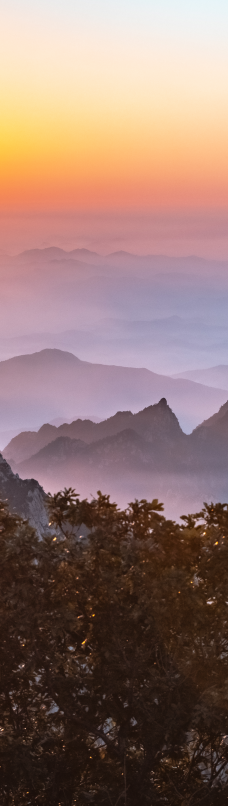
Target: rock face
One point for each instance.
(25, 497)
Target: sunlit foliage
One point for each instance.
(114, 649)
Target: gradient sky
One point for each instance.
(113, 104)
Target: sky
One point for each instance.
(113, 108)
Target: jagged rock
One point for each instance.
(25, 497)
(149, 423)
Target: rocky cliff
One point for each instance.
(25, 497)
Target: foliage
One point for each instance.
(114, 647)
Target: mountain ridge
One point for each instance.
(40, 386)
(148, 454)
(213, 376)
(149, 423)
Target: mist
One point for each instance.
(166, 314)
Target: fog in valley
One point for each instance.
(166, 314)
(83, 336)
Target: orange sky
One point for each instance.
(113, 105)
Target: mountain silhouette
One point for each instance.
(41, 386)
(131, 455)
(151, 423)
(213, 376)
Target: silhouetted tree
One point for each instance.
(114, 647)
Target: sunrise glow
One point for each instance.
(111, 105)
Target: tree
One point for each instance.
(114, 684)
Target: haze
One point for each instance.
(166, 314)
(113, 210)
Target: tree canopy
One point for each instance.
(114, 648)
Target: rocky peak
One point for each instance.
(25, 497)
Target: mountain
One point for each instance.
(214, 376)
(25, 497)
(151, 423)
(39, 386)
(160, 344)
(133, 455)
(117, 309)
(218, 421)
(126, 450)
(124, 260)
(6, 436)
(55, 253)
(126, 462)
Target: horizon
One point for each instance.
(114, 389)
(114, 151)
(172, 233)
(117, 252)
(114, 126)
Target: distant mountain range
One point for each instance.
(154, 424)
(160, 344)
(104, 334)
(213, 376)
(167, 314)
(120, 259)
(41, 386)
(131, 455)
